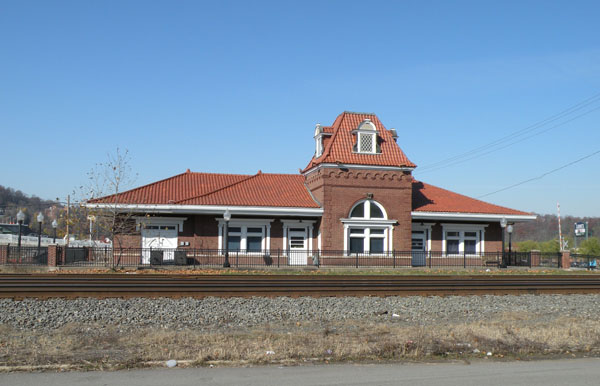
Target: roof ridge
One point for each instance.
(219, 189)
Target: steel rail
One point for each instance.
(125, 286)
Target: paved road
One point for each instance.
(575, 372)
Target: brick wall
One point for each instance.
(338, 189)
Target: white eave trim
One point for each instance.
(471, 216)
(210, 209)
(354, 166)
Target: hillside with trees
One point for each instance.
(11, 201)
(542, 234)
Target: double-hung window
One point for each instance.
(245, 235)
(245, 238)
(463, 239)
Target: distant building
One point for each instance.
(13, 229)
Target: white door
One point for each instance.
(297, 246)
(159, 237)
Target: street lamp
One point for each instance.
(226, 217)
(509, 229)
(54, 226)
(503, 225)
(20, 219)
(40, 219)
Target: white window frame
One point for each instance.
(367, 211)
(367, 223)
(479, 230)
(361, 138)
(366, 128)
(244, 224)
(143, 221)
(318, 141)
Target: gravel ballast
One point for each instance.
(217, 313)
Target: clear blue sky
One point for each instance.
(235, 87)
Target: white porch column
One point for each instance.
(310, 238)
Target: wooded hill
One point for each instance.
(545, 228)
(12, 200)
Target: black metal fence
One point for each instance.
(27, 255)
(585, 261)
(216, 258)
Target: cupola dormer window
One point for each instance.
(318, 140)
(366, 138)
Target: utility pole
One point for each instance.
(587, 230)
(68, 219)
(560, 241)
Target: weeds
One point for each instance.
(91, 346)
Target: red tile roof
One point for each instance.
(262, 189)
(429, 198)
(338, 149)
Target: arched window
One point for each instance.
(366, 138)
(367, 229)
(368, 209)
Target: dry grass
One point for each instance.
(513, 335)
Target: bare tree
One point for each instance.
(104, 202)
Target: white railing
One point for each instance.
(45, 241)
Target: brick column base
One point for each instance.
(565, 260)
(3, 254)
(52, 255)
(535, 258)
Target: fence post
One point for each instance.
(52, 252)
(529, 257)
(237, 258)
(429, 259)
(278, 254)
(4, 254)
(465, 258)
(356, 259)
(394, 258)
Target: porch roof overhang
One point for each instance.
(488, 217)
(208, 209)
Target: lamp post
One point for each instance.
(40, 219)
(226, 217)
(509, 229)
(20, 219)
(92, 218)
(54, 226)
(503, 225)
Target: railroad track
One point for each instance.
(175, 286)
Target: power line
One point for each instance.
(509, 144)
(542, 175)
(519, 133)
